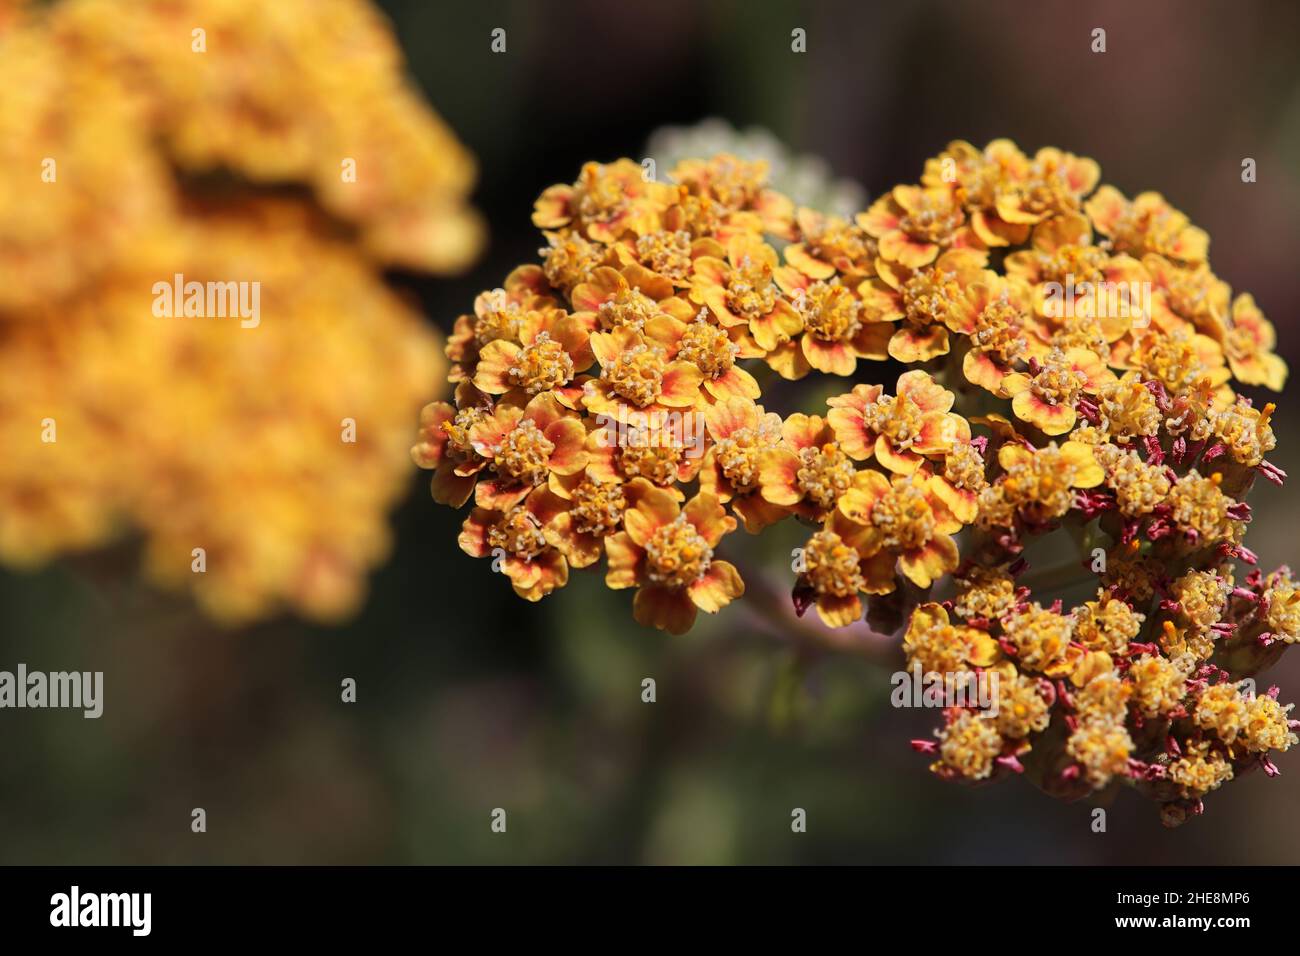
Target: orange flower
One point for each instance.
(553, 349)
(498, 314)
(828, 244)
(994, 314)
(742, 432)
(516, 538)
(710, 348)
(735, 185)
(808, 471)
(1053, 183)
(1045, 397)
(1248, 343)
(1183, 295)
(588, 512)
(835, 331)
(906, 519)
(1179, 360)
(836, 570)
(961, 480)
(1037, 484)
(570, 259)
(743, 291)
(612, 299)
(977, 180)
(1074, 278)
(1147, 224)
(666, 552)
(941, 647)
(899, 431)
(664, 449)
(637, 376)
(924, 299)
(525, 445)
(913, 225)
(605, 202)
(663, 259)
(444, 446)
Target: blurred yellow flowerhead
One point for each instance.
(243, 154)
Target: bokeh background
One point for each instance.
(469, 699)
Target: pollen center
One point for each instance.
(964, 467)
(637, 375)
(597, 507)
(904, 517)
(897, 418)
(998, 330)
(655, 463)
(832, 566)
(831, 312)
(750, 293)
(630, 307)
(737, 455)
(1078, 264)
(824, 474)
(1058, 383)
(934, 220)
(677, 554)
(525, 454)
(708, 348)
(518, 533)
(499, 319)
(542, 366)
(667, 253)
(929, 296)
(458, 431)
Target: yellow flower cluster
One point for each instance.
(607, 402)
(226, 143)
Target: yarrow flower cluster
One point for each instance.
(230, 142)
(1070, 358)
